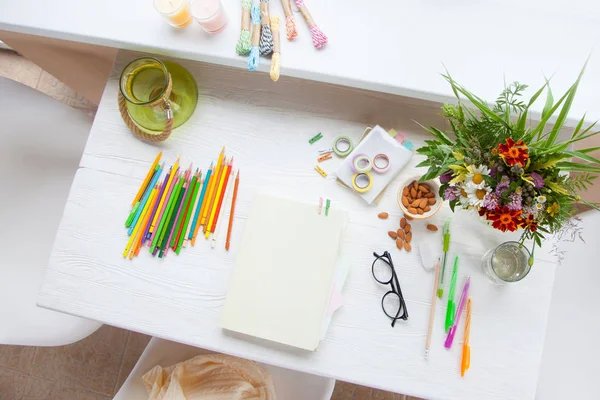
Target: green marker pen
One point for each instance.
(446, 241)
(451, 310)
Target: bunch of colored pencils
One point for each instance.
(168, 215)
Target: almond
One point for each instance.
(415, 185)
(408, 217)
(429, 195)
(424, 188)
(408, 237)
(405, 191)
(412, 210)
(399, 243)
(427, 209)
(419, 211)
(402, 222)
(392, 234)
(432, 228)
(422, 203)
(407, 228)
(419, 194)
(415, 203)
(383, 215)
(431, 201)
(405, 201)
(400, 234)
(413, 193)
(407, 247)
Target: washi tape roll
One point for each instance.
(342, 146)
(362, 182)
(361, 163)
(381, 163)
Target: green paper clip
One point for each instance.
(315, 138)
(327, 204)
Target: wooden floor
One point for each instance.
(96, 367)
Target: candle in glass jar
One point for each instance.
(209, 14)
(177, 12)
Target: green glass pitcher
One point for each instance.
(156, 97)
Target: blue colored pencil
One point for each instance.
(202, 193)
(145, 198)
(160, 193)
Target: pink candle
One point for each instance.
(209, 14)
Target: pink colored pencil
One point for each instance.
(187, 181)
(160, 215)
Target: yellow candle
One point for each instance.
(177, 12)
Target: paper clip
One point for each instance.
(324, 157)
(320, 205)
(325, 151)
(327, 207)
(320, 171)
(315, 138)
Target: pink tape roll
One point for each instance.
(378, 168)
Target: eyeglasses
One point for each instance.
(392, 302)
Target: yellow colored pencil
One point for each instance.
(213, 211)
(147, 180)
(137, 229)
(164, 195)
(137, 242)
(212, 186)
(212, 198)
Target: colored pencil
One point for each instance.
(212, 187)
(185, 208)
(201, 205)
(146, 180)
(226, 201)
(162, 227)
(185, 189)
(131, 215)
(164, 246)
(164, 198)
(164, 235)
(154, 209)
(213, 208)
(222, 195)
(140, 233)
(136, 228)
(190, 209)
(231, 213)
(144, 200)
(195, 207)
(213, 196)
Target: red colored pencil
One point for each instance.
(220, 203)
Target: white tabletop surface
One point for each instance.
(180, 297)
(393, 46)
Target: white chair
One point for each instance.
(41, 142)
(572, 349)
(289, 385)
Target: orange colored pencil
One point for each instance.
(232, 212)
(147, 180)
(209, 176)
(222, 196)
(137, 242)
(212, 187)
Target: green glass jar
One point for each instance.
(144, 84)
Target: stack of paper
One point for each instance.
(282, 284)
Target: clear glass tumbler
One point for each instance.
(508, 262)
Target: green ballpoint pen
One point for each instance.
(451, 310)
(446, 239)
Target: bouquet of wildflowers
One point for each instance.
(516, 176)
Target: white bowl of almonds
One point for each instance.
(419, 200)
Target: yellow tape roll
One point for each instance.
(362, 182)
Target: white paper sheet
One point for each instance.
(281, 286)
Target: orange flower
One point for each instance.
(505, 219)
(514, 153)
(528, 223)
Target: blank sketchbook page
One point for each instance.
(282, 279)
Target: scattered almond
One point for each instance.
(412, 210)
(402, 222)
(432, 228)
(393, 234)
(406, 246)
(408, 237)
(399, 243)
(408, 217)
(383, 215)
(400, 234)
(407, 228)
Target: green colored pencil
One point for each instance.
(165, 240)
(182, 215)
(186, 222)
(131, 215)
(158, 236)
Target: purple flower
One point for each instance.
(493, 171)
(538, 181)
(446, 177)
(502, 185)
(527, 210)
(451, 193)
(491, 201)
(515, 201)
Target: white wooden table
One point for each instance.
(266, 127)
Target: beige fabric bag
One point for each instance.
(210, 377)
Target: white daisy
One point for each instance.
(541, 199)
(476, 194)
(475, 175)
(539, 206)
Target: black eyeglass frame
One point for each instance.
(387, 258)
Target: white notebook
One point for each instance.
(281, 284)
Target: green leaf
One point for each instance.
(523, 118)
(547, 106)
(441, 136)
(578, 127)
(589, 150)
(424, 163)
(432, 173)
(577, 167)
(538, 241)
(583, 156)
(453, 204)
